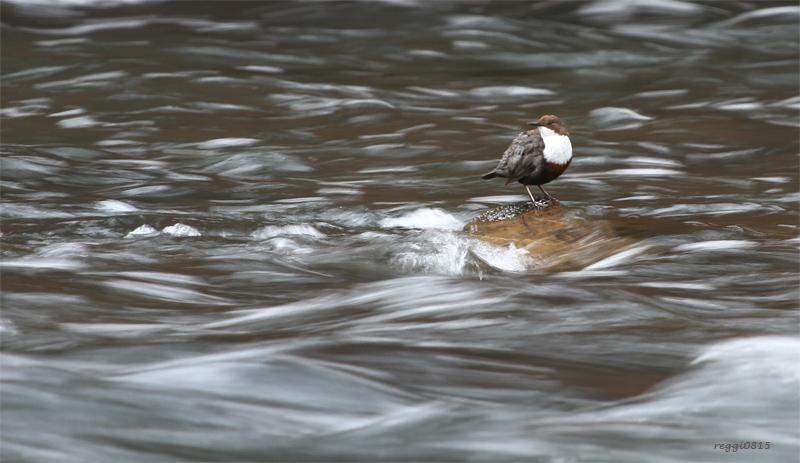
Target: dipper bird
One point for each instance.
(537, 156)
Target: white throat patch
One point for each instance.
(557, 148)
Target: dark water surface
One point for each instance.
(232, 232)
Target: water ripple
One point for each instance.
(220, 218)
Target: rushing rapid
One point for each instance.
(240, 231)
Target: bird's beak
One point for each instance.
(534, 123)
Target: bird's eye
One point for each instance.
(549, 122)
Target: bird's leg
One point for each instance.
(531, 194)
(547, 196)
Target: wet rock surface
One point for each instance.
(556, 238)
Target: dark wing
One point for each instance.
(513, 164)
(526, 153)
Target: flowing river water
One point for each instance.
(232, 231)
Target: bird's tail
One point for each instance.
(491, 174)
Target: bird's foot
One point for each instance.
(545, 201)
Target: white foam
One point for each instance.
(424, 219)
(611, 115)
(662, 93)
(470, 44)
(49, 264)
(496, 199)
(638, 198)
(216, 107)
(738, 104)
(180, 229)
(305, 199)
(452, 253)
(288, 246)
(433, 91)
(788, 12)
(618, 258)
(272, 231)
(226, 143)
(791, 103)
(61, 256)
(773, 179)
(7, 327)
(427, 53)
(510, 90)
(652, 161)
(146, 190)
(143, 230)
(507, 259)
(112, 205)
(717, 245)
(262, 69)
(118, 142)
(673, 285)
(70, 112)
(339, 191)
(717, 209)
(628, 8)
(59, 42)
(79, 122)
(22, 111)
(742, 351)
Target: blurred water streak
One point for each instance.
(231, 231)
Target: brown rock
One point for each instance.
(556, 239)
